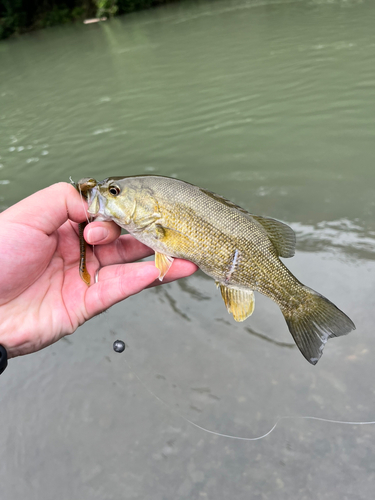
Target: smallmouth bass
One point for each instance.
(239, 250)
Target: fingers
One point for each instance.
(113, 249)
(124, 249)
(179, 269)
(48, 209)
(101, 233)
(118, 282)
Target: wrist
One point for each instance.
(3, 359)
(14, 342)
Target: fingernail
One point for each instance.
(97, 234)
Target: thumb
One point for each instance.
(118, 283)
(48, 209)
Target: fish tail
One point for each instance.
(313, 321)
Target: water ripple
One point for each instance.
(343, 235)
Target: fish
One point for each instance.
(239, 250)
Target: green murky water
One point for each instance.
(272, 105)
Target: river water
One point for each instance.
(271, 104)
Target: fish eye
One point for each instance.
(114, 190)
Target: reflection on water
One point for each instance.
(341, 236)
(194, 293)
(163, 293)
(269, 339)
(270, 104)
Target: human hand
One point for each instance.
(42, 297)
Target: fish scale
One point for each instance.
(239, 250)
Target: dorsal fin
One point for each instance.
(224, 201)
(282, 236)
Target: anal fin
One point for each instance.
(240, 303)
(163, 263)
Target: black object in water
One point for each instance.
(119, 346)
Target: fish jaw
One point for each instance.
(98, 206)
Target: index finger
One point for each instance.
(49, 208)
(124, 249)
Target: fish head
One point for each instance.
(110, 199)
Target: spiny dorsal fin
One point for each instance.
(240, 303)
(223, 200)
(282, 236)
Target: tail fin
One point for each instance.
(313, 322)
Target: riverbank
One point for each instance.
(25, 15)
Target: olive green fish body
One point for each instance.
(238, 250)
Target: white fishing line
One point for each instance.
(240, 438)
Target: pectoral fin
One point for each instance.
(240, 303)
(163, 263)
(146, 222)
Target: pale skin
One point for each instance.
(42, 297)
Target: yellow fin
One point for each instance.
(240, 303)
(163, 263)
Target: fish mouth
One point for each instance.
(97, 205)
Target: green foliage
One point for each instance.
(11, 16)
(7, 27)
(106, 8)
(133, 5)
(78, 12)
(17, 16)
(22, 15)
(55, 16)
(125, 6)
